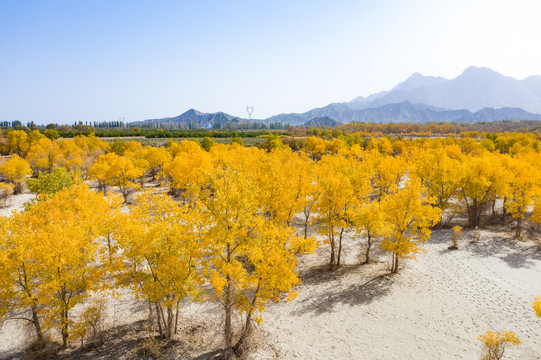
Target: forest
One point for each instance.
(199, 221)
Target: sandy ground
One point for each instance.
(433, 309)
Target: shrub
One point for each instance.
(455, 236)
(494, 343)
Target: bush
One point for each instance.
(6, 190)
(494, 343)
(455, 236)
(44, 349)
(90, 325)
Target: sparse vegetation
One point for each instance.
(495, 342)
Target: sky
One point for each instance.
(68, 61)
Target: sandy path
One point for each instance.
(434, 309)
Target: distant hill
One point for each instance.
(408, 112)
(322, 121)
(195, 120)
(478, 94)
(475, 89)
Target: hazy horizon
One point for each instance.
(68, 61)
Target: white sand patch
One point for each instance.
(16, 202)
(434, 309)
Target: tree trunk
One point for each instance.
(228, 303)
(339, 247)
(37, 325)
(518, 232)
(64, 328)
(238, 348)
(169, 324)
(368, 246)
(176, 316)
(333, 257)
(158, 318)
(394, 266)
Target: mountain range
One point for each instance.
(478, 94)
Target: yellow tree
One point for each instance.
(250, 258)
(369, 220)
(49, 257)
(17, 142)
(408, 216)
(386, 171)
(160, 242)
(114, 170)
(72, 156)
(523, 187)
(156, 158)
(439, 174)
(123, 173)
(188, 169)
(101, 171)
(483, 179)
(283, 183)
(92, 147)
(336, 198)
(43, 155)
(15, 170)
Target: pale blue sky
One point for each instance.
(65, 61)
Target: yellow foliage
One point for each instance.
(494, 343)
(409, 216)
(15, 170)
(537, 306)
(49, 256)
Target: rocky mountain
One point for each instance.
(406, 111)
(475, 89)
(194, 119)
(478, 94)
(322, 121)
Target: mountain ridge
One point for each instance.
(477, 94)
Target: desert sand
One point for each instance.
(433, 309)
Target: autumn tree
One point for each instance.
(283, 181)
(15, 170)
(369, 221)
(409, 216)
(336, 197)
(385, 171)
(17, 142)
(72, 157)
(440, 175)
(43, 155)
(160, 242)
(114, 170)
(483, 180)
(156, 158)
(523, 187)
(250, 259)
(187, 171)
(101, 171)
(49, 256)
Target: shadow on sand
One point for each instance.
(355, 294)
